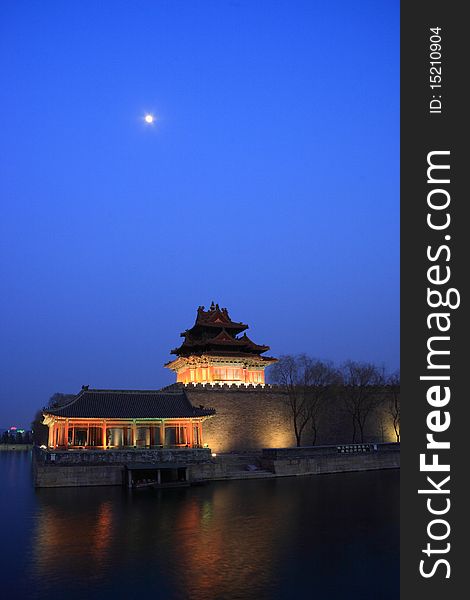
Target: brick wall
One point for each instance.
(256, 417)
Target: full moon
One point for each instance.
(149, 118)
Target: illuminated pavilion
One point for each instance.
(214, 352)
(107, 419)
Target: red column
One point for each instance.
(199, 431)
(104, 435)
(191, 434)
(51, 435)
(134, 434)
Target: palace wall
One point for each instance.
(255, 417)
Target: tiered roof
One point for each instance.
(214, 333)
(130, 404)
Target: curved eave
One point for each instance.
(222, 349)
(201, 414)
(243, 345)
(196, 331)
(179, 361)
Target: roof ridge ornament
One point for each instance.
(213, 350)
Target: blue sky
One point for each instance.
(269, 183)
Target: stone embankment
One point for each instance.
(316, 460)
(98, 467)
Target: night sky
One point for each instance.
(269, 183)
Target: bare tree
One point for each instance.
(59, 399)
(308, 383)
(322, 379)
(361, 392)
(41, 431)
(393, 389)
(287, 372)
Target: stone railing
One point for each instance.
(317, 451)
(123, 456)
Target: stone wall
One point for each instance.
(91, 471)
(328, 459)
(255, 417)
(246, 418)
(46, 475)
(75, 468)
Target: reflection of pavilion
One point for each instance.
(88, 540)
(226, 528)
(126, 418)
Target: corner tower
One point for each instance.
(213, 351)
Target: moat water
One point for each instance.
(327, 537)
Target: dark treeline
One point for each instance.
(16, 438)
(360, 387)
(40, 431)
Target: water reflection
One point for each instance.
(327, 537)
(235, 537)
(72, 536)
